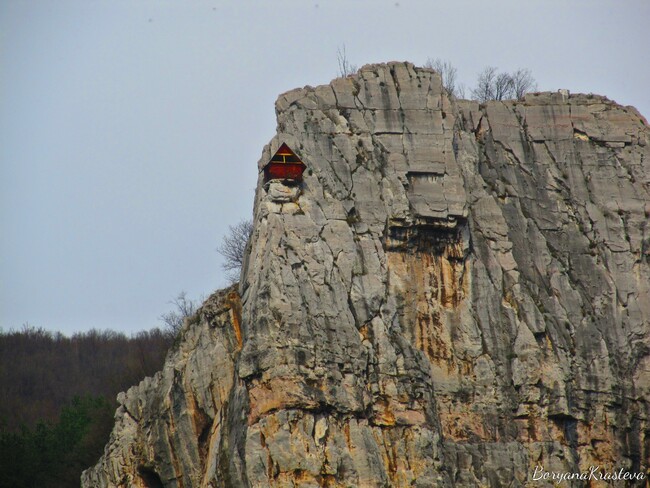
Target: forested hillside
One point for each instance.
(58, 398)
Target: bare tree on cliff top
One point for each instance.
(449, 76)
(523, 82)
(492, 85)
(345, 68)
(484, 89)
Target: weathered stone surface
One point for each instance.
(169, 429)
(455, 295)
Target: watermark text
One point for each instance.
(594, 473)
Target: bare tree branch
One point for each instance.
(345, 68)
(447, 72)
(523, 82)
(503, 87)
(484, 89)
(233, 248)
(174, 319)
(491, 85)
(460, 90)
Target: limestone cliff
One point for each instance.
(455, 294)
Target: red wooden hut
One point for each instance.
(284, 165)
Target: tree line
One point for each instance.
(41, 371)
(59, 397)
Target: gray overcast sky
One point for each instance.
(130, 130)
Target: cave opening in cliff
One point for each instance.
(150, 478)
(432, 237)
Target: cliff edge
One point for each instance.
(455, 295)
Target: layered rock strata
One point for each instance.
(455, 294)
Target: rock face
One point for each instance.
(454, 295)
